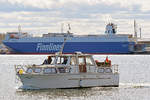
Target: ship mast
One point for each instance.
(135, 29)
(62, 27)
(65, 39)
(140, 33)
(19, 29)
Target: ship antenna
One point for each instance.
(19, 29)
(69, 28)
(62, 27)
(65, 39)
(135, 29)
(140, 32)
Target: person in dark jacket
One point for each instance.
(65, 60)
(48, 60)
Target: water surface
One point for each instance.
(134, 80)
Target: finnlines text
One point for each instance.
(48, 47)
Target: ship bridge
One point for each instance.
(111, 29)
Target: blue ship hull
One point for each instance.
(71, 47)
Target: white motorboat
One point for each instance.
(68, 71)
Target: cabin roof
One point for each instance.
(75, 54)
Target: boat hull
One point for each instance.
(66, 80)
(71, 47)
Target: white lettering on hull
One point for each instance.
(48, 47)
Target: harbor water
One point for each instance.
(134, 80)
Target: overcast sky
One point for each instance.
(85, 16)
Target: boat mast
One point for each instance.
(65, 39)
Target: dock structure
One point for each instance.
(146, 42)
(3, 48)
(2, 37)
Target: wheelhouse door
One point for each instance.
(90, 64)
(82, 64)
(73, 64)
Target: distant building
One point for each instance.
(2, 37)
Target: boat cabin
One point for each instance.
(68, 71)
(70, 63)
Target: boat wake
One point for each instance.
(135, 85)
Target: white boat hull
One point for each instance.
(66, 80)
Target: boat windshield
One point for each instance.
(89, 61)
(63, 60)
(73, 61)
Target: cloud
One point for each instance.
(142, 5)
(85, 16)
(33, 22)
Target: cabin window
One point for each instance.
(81, 61)
(73, 61)
(61, 70)
(101, 70)
(59, 60)
(53, 70)
(62, 60)
(37, 70)
(29, 70)
(49, 70)
(89, 61)
(108, 70)
(53, 60)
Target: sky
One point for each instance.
(84, 16)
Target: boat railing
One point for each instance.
(34, 69)
(22, 67)
(115, 68)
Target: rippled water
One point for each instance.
(134, 81)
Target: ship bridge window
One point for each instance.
(89, 61)
(73, 61)
(62, 60)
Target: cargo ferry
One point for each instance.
(108, 43)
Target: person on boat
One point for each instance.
(48, 60)
(65, 60)
(107, 62)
